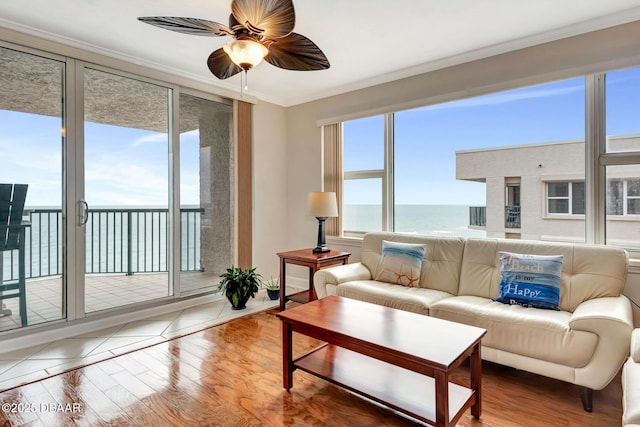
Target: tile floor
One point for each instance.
(41, 361)
(103, 292)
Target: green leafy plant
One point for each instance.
(239, 285)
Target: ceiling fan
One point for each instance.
(261, 29)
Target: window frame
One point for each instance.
(385, 174)
(568, 198)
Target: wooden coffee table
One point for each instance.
(397, 358)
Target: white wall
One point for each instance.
(270, 214)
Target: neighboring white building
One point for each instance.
(537, 192)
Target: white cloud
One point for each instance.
(152, 138)
(504, 98)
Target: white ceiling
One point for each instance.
(367, 41)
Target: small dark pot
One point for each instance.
(274, 294)
(240, 303)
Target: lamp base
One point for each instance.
(320, 250)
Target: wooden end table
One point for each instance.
(306, 258)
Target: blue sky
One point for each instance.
(129, 166)
(123, 166)
(426, 138)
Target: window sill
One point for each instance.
(564, 217)
(355, 242)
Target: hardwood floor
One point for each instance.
(231, 375)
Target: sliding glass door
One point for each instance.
(205, 192)
(129, 185)
(31, 146)
(126, 190)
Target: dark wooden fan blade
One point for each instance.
(233, 21)
(193, 26)
(296, 52)
(221, 66)
(271, 18)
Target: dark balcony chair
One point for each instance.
(12, 235)
(512, 218)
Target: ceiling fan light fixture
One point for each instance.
(245, 53)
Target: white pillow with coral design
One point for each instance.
(401, 263)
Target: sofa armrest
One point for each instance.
(610, 318)
(635, 345)
(327, 279)
(600, 315)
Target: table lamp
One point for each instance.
(322, 205)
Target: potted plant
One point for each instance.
(273, 288)
(239, 285)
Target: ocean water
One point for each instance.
(107, 243)
(439, 220)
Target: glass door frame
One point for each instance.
(76, 207)
(66, 118)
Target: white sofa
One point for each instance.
(631, 384)
(584, 343)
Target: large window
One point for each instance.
(432, 170)
(440, 161)
(622, 158)
(364, 175)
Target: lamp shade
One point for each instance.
(322, 204)
(245, 53)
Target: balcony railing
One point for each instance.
(477, 216)
(117, 241)
(512, 216)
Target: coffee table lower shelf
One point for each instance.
(403, 390)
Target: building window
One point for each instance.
(566, 198)
(633, 197)
(623, 197)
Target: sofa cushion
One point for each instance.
(588, 271)
(530, 280)
(441, 266)
(401, 263)
(634, 345)
(631, 393)
(416, 300)
(532, 332)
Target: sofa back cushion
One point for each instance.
(401, 263)
(442, 260)
(588, 271)
(530, 280)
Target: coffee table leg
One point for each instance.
(476, 380)
(287, 356)
(283, 284)
(442, 398)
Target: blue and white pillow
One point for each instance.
(530, 280)
(401, 263)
